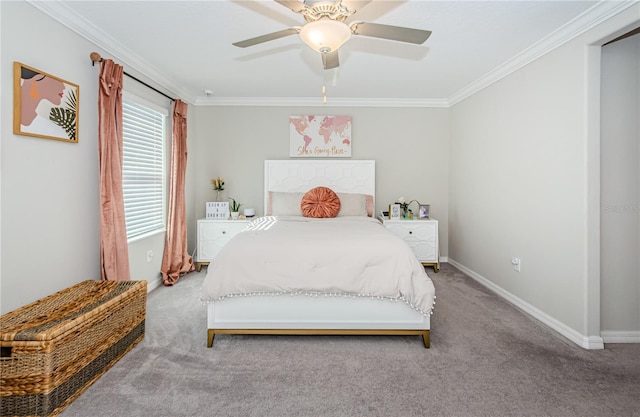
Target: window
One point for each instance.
(143, 167)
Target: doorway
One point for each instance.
(620, 189)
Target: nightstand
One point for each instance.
(420, 235)
(212, 235)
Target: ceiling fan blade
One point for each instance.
(330, 60)
(267, 37)
(394, 33)
(294, 5)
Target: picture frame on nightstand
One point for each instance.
(424, 211)
(395, 213)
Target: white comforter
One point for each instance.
(344, 256)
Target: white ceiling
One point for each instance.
(184, 47)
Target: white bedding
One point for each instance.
(344, 256)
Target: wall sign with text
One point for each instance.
(217, 210)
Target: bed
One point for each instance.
(290, 274)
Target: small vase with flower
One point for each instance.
(404, 207)
(218, 186)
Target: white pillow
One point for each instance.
(352, 204)
(284, 204)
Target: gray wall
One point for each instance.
(507, 172)
(620, 197)
(410, 146)
(49, 204)
(516, 185)
(49, 189)
(50, 233)
(520, 184)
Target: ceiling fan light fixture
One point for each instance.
(325, 35)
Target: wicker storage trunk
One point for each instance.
(54, 348)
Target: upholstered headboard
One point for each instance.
(342, 176)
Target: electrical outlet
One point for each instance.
(516, 262)
(149, 256)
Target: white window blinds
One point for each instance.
(143, 168)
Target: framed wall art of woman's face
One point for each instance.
(44, 106)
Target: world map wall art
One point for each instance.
(320, 136)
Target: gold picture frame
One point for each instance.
(395, 212)
(44, 106)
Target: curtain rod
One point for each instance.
(95, 57)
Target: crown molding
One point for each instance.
(595, 15)
(69, 18)
(317, 102)
(590, 18)
(72, 20)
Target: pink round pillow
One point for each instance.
(320, 202)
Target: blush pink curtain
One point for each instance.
(176, 260)
(114, 254)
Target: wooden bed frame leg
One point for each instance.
(426, 339)
(210, 335)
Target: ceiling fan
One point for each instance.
(325, 30)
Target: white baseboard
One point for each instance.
(587, 342)
(613, 336)
(152, 285)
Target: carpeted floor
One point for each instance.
(486, 359)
